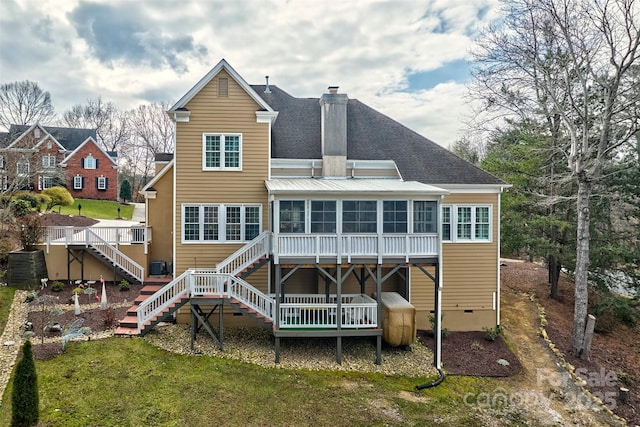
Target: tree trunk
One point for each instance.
(555, 266)
(582, 263)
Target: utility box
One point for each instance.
(156, 268)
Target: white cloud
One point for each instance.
(152, 51)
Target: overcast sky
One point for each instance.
(405, 58)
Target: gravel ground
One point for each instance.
(254, 345)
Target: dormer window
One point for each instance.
(90, 162)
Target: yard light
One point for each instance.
(118, 212)
(79, 209)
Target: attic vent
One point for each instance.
(223, 87)
(36, 132)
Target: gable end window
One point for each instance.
(90, 162)
(466, 223)
(1, 162)
(223, 87)
(221, 151)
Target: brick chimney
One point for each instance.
(333, 107)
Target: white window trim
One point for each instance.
(102, 183)
(77, 182)
(454, 223)
(49, 161)
(23, 162)
(2, 162)
(222, 152)
(93, 162)
(42, 179)
(222, 222)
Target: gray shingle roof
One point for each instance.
(70, 138)
(370, 136)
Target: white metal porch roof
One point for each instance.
(350, 186)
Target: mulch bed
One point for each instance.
(54, 219)
(471, 353)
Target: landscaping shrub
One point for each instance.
(30, 198)
(78, 291)
(20, 208)
(60, 196)
(6, 246)
(24, 399)
(612, 310)
(109, 317)
(444, 331)
(493, 333)
(124, 286)
(29, 230)
(57, 286)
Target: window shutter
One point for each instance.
(82, 183)
(96, 163)
(106, 182)
(82, 162)
(97, 185)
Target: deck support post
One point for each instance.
(71, 257)
(277, 313)
(201, 320)
(277, 349)
(339, 313)
(379, 310)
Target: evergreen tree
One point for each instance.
(125, 191)
(24, 400)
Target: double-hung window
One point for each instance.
(44, 182)
(221, 151)
(48, 161)
(78, 182)
(466, 223)
(102, 183)
(22, 167)
(210, 223)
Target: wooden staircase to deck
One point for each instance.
(128, 326)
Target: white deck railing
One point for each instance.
(246, 255)
(345, 247)
(114, 255)
(69, 235)
(316, 312)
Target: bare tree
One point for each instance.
(571, 63)
(23, 103)
(109, 122)
(152, 132)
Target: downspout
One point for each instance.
(437, 357)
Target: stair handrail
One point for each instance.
(250, 296)
(246, 255)
(178, 288)
(114, 255)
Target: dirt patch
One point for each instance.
(615, 357)
(471, 353)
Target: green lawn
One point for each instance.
(128, 382)
(6, 299)
(99, 209)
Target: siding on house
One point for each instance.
(210, 113)
(160, 220)
(469, 279)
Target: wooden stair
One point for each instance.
(108, 262)
(240, 307)
(252, 267)
(128, 326)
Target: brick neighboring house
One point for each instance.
(37, 157)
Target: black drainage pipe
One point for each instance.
(434, 383)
